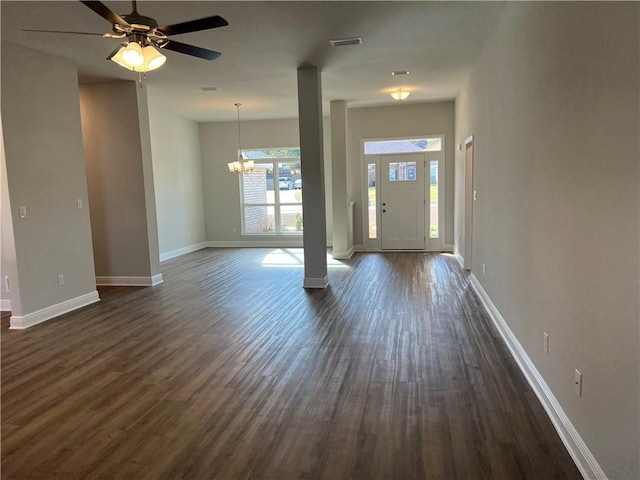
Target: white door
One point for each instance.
(402, 202)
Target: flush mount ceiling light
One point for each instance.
(240, 166)
(400, 72)
(400, 94)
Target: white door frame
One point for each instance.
(374, 244)
(468, 203)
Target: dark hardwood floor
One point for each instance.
(231, 370)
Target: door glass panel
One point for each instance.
(402, 172)
(433, 194)
(371, 201)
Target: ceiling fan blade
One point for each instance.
(194, 25)
(61, 31)
(106, 13)
(190, 50)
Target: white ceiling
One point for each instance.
(264, 44)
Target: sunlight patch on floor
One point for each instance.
(294, 258)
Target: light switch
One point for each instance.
(79, 204)
(23, 212)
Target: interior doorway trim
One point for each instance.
(468, 203)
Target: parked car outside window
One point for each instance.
(285, 183)
(298, 184)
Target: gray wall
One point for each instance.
(177, 171)
(219, 145)
(46, 174)
(553, 103)
(399, 121)
(115, 127)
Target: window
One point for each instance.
(402, 172)
(433, 200)
(272, 193)
(380, 147)
(371, 200)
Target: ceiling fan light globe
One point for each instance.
(117, 58)
(132, 55)
(153, 59)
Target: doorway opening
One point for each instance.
(403, 185)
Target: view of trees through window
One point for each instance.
(272, 192)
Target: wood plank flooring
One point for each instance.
(231, 370)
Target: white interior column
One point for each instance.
(341, 247)
(311, 161)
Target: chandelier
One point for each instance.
(240, 166)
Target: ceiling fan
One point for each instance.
(143, 34)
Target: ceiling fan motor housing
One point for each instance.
(140, 22)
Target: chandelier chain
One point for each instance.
(239, 141)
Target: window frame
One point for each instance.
(277, 204)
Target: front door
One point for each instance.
(402, 201)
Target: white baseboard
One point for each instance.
(316, 282)
(130, 281)
(582, 456)
(39, 316)
(344, 255)
(266, 243)
(447, 248)
(5, 305)
(182, 251)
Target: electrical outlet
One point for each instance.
(60, 280)
(6, 284)
(79, 204)
(577, 382)
(23, 212)
(475, 195)
(546, 343)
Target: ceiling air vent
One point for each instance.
(208, 89)
(341, 42)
